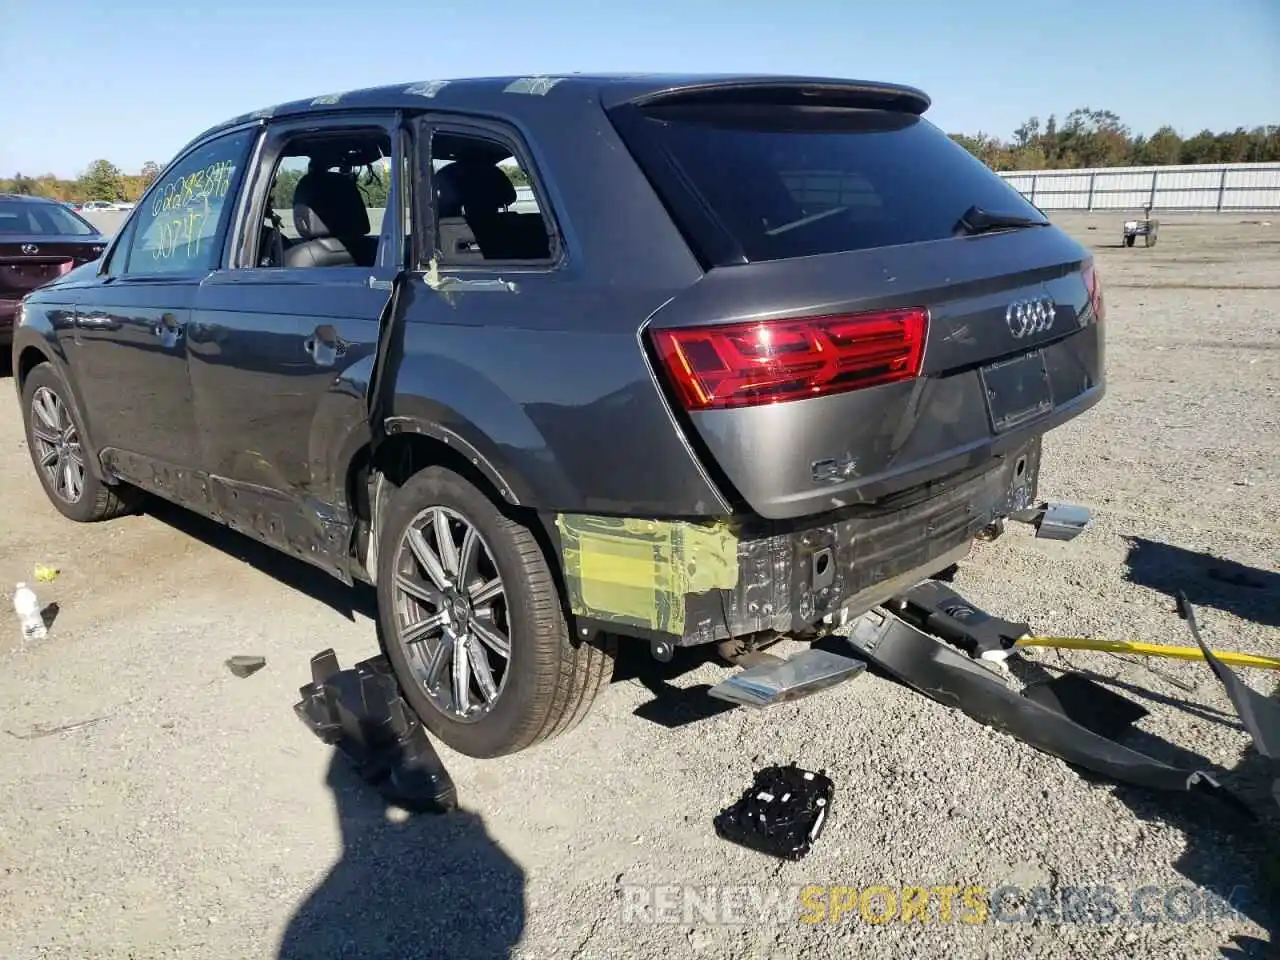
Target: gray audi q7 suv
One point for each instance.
(751, 351)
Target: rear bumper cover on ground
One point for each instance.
(687, 583)
(1065, 714)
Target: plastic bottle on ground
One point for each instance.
(27, 606)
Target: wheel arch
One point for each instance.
(28, 358)
(30, 352)
(448, 447)
(512, 458)
(407, 452)
(508, 462)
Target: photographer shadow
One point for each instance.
(425, 886)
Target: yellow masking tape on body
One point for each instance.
(638, 572)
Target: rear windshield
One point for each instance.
(41, 219)
(797, 181)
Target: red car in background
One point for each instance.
(40, 239)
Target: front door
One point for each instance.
(130, 333)
(282, 344)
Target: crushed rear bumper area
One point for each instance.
(686, 583)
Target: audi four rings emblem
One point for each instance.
(1029, 317)
(30, 249)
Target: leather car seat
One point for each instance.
(454, 238)
(330, 217)
(484, 192)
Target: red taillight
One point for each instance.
(749, 364)
(1093, 283)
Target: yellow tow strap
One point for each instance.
(1151, 650)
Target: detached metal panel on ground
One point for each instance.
(1212, 187)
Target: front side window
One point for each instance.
(327, 200)
(183, 221)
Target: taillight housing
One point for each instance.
(731, 365)
(1093, 284)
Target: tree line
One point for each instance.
(1097, 138)
(101, 180)
(1084, 138)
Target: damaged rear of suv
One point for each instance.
(884, 333)
(730, 358)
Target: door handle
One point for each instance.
(325, 346)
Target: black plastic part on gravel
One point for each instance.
(361, 713)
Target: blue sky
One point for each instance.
(132, 81)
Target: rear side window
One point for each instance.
(790, 181)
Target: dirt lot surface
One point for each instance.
(188, 813)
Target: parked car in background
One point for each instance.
(40, 240)
(97, 206)
(762, 352)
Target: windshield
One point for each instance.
(42, 219)
(798, 181)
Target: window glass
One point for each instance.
(327, 200)
(795, 182)
(183, 221)
(42, 219)
(15, 217)
(485, 204)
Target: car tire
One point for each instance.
(546, 683)
(89, 500)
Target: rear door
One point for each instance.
(131, 330)
(880, 310)
(283, 341)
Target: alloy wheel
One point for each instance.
(451, 614)
(57, 445)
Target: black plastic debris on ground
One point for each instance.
(1260, 715)
(782, 814)
(1087, 703)
(244, 665)
(360, 712)
(930, 638)
(937, 609)
(941, 671)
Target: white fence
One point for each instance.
(1210, 186)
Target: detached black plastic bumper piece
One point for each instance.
(361, 713)
(937, 609)
(1042, 718)
(782, 814)
(1260, 715)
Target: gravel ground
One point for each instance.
(191, 815)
